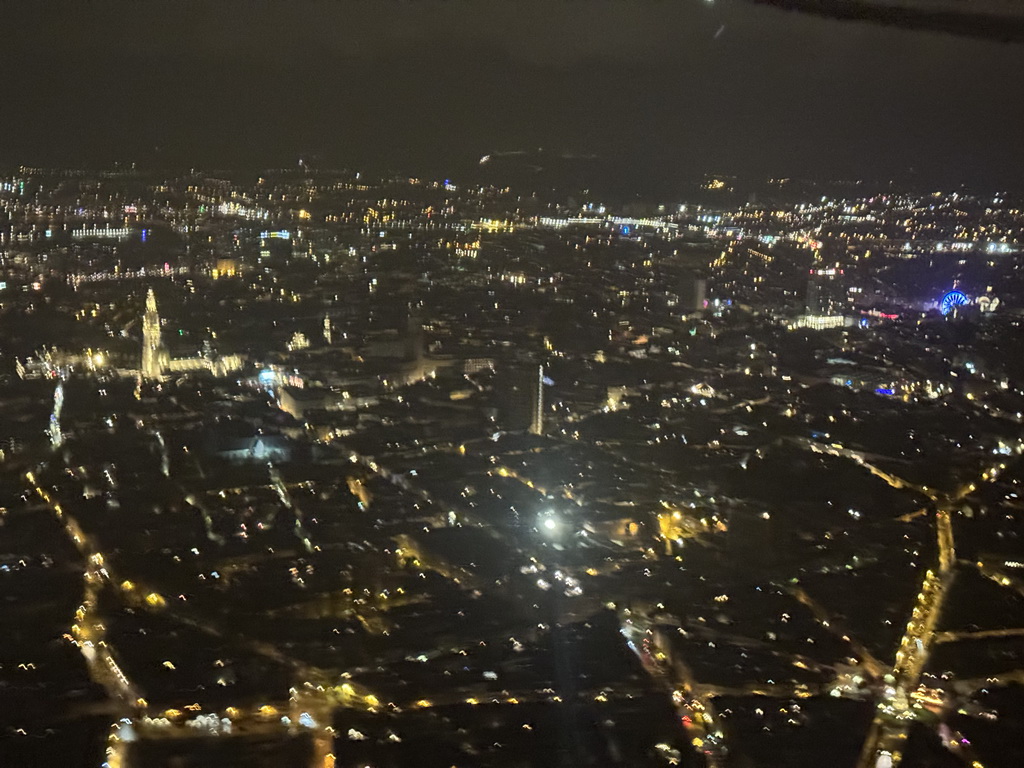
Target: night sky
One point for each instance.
(664, 89)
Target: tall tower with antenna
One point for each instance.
(56, 435)
(154, 356)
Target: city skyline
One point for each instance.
(512, 384)
(319, 470)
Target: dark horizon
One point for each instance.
(659, 92)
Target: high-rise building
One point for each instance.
(523, 398)
(154, 356)
(823, 291)
(692, 293)
(826, 300)
(413, 337)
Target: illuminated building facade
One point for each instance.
(825, 300)
(156, 361)
(823, 284)
(154, 356)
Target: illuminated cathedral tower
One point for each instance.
(154, 356)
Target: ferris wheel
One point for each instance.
(951, 301)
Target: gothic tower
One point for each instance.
(154, 357)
